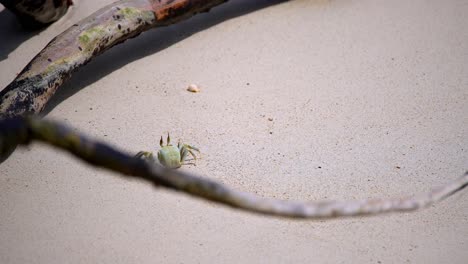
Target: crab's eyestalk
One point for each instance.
(161, 142)
(168, 140)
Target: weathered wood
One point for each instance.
(37, 13)
(22, 130)
(38, 81)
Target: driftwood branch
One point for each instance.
(36, 14)
(38, 81)
(21, 130)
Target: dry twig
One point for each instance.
(22, 130)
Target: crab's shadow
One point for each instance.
(151, 42)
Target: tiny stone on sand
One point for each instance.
(193, 88)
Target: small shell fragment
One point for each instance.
(193, 88)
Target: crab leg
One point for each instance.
(193, 155)
(192, 147)
(146, 155)
(183, 153)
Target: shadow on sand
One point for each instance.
(17, 34)
(151, 42)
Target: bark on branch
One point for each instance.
(34, 86)
(21, 130)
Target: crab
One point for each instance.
(170, 156)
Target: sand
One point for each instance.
(367, 99)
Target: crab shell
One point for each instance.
(169, 157)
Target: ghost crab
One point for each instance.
(170, 156)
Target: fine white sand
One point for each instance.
(368, 99)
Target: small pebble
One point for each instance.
(270, 119)
(193, 88)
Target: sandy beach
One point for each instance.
(300, 100)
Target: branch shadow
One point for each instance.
(12, 33)
(151, 42)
